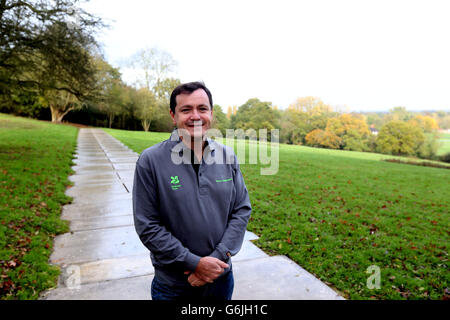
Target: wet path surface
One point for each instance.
(102, 257)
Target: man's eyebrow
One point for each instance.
(191, 106)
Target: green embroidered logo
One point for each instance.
(175, 183)
(224, 180)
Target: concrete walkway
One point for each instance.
(103, 258)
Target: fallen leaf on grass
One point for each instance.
(373, 228)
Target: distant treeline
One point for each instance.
(51, 68)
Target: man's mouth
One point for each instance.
(195, 124)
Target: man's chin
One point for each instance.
(194, 134)
(197, 136)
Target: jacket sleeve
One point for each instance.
(237, 222)
(164, 246)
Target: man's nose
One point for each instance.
(195, 115)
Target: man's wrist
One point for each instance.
(192, 261)
(221, 253)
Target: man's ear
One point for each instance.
(173, 117)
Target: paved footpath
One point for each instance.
(102, 257)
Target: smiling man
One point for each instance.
(191, 214)
(193, 116)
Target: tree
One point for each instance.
(443, 119)
(399, 138)
(63, 83)
(155, 64)
(296, 125)
(310, 105)
(302, 117)
(345, 122)
(229, 113)
(429, 148)
(426, 123)
(164, 88)
(220, 120)
(25, 104)
(118, 96)
(60, 103)
(321, 138)
(146, 107)
(444, 122)
(354, 132)
(353, 140)
(43, 50)
(111, 95)
(255, 114)
(398, 114)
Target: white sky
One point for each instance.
(364, 55)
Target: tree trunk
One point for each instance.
(145, 124)
(123, 122)
(110, 119)
(58, 115)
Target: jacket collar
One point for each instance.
(179, 146)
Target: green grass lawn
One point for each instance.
(336, 213)
(35, 160)
(138, 140)
(444, 144)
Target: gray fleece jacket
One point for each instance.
(181, 216)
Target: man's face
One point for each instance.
(193, 113)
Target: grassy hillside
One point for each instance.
(444, 143)
(35, 160)
(337, 213)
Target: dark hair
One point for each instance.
(188, 88)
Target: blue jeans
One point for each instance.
(220, 289)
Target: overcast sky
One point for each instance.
(358, 55)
